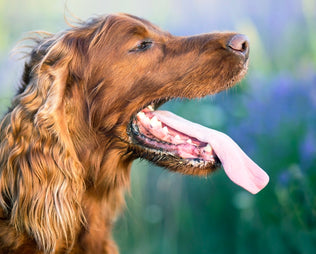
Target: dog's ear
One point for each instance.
(41, 177)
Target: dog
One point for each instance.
(87, 107)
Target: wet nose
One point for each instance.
(239, 43)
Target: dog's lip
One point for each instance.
(153, 105)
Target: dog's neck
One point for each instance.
(103, 200)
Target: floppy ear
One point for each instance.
(41, 180)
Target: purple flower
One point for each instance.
(308, 149)
(284, 178)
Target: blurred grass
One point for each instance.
(271, 114)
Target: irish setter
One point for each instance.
(86, 108)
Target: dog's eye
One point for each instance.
(142, 46)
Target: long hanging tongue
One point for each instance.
(237, 165)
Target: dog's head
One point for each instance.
(140, 67)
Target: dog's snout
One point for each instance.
(240, 44)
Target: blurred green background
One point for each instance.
(271, 114)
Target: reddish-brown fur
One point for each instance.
(65, 150)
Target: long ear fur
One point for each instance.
(41, 178)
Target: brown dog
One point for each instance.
(85, 111)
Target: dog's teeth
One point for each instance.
(143, 118)
(177, 137)
(189, 141)
(208, 148)
(154, 118)
(165, 130)
(150, 108)
(141, 115)
(154, 122)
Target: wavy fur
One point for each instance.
(41, 176)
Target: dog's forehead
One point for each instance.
(140, 26)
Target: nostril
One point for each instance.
(239, 42)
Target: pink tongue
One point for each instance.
(237, 165)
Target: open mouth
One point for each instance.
(165, 140)
(174, 142)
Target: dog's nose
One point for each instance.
(239, 43)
